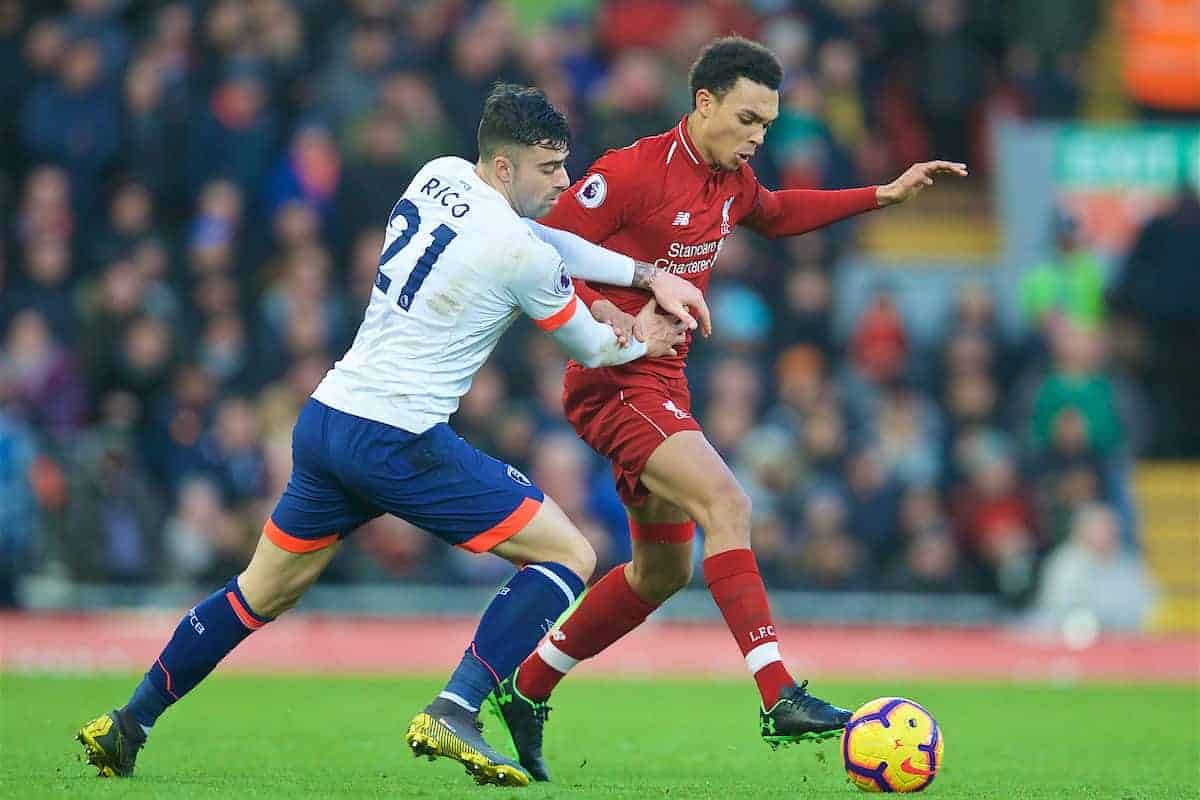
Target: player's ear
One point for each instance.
(705, 102)
(503, 167)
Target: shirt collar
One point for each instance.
(688, 150)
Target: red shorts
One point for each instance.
(625, 417)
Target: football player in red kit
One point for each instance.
(671, 200)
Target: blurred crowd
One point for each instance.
(193, 192)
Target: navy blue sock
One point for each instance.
(513, 623)
(205, 635)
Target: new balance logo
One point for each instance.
(679, 413)
(558, 636)
(682, 218)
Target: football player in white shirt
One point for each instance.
(459, 264)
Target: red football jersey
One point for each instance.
(658, 201)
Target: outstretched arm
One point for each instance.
(789, 212)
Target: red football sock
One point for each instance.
(738, 590)
(608, 611)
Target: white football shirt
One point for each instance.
(458, 266)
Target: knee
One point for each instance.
(572, 550)
(725, 514)
(270, 597)
(658, 582)
(579, 557)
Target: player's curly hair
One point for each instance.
(514, 114)
(725, 60)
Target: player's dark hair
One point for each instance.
(732, 57)
(515, 114)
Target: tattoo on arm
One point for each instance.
(643, 275)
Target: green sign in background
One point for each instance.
(1156, 158)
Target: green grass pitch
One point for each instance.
(289, 737)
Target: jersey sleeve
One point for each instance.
(789, 212)
(542, 286)
(601, 201)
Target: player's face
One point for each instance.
(737, 122)
(539, 177)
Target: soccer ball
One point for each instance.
(892, 745)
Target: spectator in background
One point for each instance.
(800, 142)
(733, 392)
(74, 120)
(202, 540)
(45, 210)
(1067, 287)
(1154, 297)
(879, 346)
(302, 312)
(1047, 48)
(232, 136)
(225, 352)
(114, 517)
(951, 75)
(1077, 392)
(14, 76)
(375, 175)
(825, 442)
(177, 421)
(231, 452)
(309, 174)
(408, 97)
(974, 317)
(130, 221)
(632, 101)
(929, 564)
(830, 558)
(480, 54)
(909, 432)
(930, 561)
(43, 285)
(18, 503)
(799, 387)
(142, 361)
(873, 498)
(44, 381)
(1090, 579)
(349, 87)
(807, 315)
(994, 516)
(151, 133)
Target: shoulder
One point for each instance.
(625, 171)
(444, 170)
(448, 165)
(538, 256)
(632, 162)
(538, 266)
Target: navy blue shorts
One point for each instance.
(347, 470)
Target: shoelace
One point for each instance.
(801, 697)
(541, 712)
